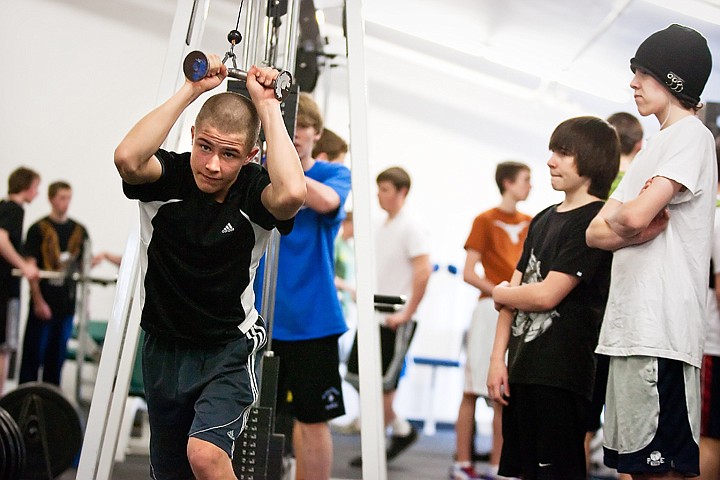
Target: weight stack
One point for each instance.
(259, 450)
(252, 446)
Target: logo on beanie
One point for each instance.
(674, 82)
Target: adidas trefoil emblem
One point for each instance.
(228, 228)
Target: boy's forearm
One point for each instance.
(320, 197)
(287, 178)
(421, 276)
(148, 134)
(35, 292)
(530, 297)
(601, 235)
(620, 222)
(481, 283)
(636, 221)
(502, 335)
(8, 250)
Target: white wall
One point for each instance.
(78, 73)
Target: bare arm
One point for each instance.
(110, 257)
(320, 197)
(7, 250)
(286, 192)
(344, 286)
(497, 381)
(536, 297)
(40, 307)
(643, 218)
(472, 258)
(135, 155)
(421, 275)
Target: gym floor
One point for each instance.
(428, 459)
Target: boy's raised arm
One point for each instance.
(135, 155)
(286, 192)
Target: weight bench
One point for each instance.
(429, 427)
(127, 443)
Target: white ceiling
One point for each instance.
(565, 50)
(503, 67)
(558, 47)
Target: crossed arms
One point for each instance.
(637, 221)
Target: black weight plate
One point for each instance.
(18, 442)
(11, 446)
(7, 469)
(59, 428)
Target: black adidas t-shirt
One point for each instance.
(201, 255)
(555, 348)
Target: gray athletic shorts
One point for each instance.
(652, 416)
(9, 325)
(195, 391)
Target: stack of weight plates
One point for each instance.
(49, 427)
(12, 448)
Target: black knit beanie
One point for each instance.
(679, 58)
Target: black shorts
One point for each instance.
(394, 345)
(202, 392)
(598, 399)
(309, 384)
(710, 397)
(543, 433)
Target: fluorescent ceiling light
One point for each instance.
(463, 74)
(547, 69)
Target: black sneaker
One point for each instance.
(398, 444)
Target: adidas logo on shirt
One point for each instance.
(228, 228)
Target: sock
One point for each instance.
(401, 427)
(463, 464)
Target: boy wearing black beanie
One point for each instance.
(658, 222)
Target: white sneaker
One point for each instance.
(464, 473)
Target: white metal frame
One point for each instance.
(371, 410)
(113, 380)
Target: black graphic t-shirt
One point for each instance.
(555, 348)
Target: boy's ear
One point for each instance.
(251, 155)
